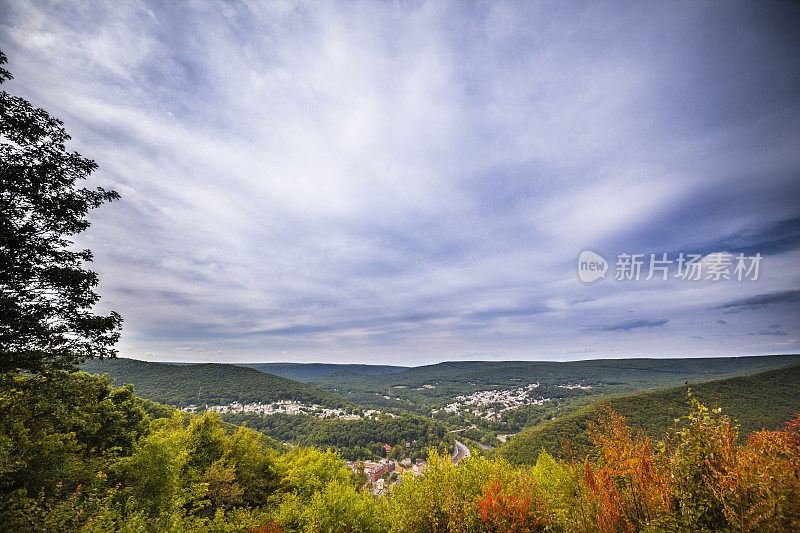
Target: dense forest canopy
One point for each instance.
(208, 384)
(409, 435)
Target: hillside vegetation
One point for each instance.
(209, 383)
(760, 401)
(409, 435)
(76, 455)
(311, 371)
(425, 387)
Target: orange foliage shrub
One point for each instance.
(513, 507)
(626, 488)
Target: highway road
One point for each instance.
(460, 452)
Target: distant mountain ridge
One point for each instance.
(310, 371)
(207, 383)
(592, 370)
(609, 376)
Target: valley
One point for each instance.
(357, 410)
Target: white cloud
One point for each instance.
(378, 179)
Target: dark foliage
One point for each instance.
(46, 294)
(353, 439)
(212, 383)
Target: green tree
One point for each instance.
(397, 452)
(151, 475)
(310, 469)
(695, 454)
(46, 293)
(58, 437)
(257, 468)
(338, 507)
(206, 442)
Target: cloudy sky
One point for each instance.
(412, 182)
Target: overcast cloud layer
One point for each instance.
(413, 182)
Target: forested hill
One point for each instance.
(207, 383)
(432, 386)
(410, 436)
(630, 373)
(310, 371)
(760, 401)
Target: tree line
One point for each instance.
(408, 435)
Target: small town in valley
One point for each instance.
(489, 404)
(288, 407)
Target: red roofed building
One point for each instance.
(374, 470)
